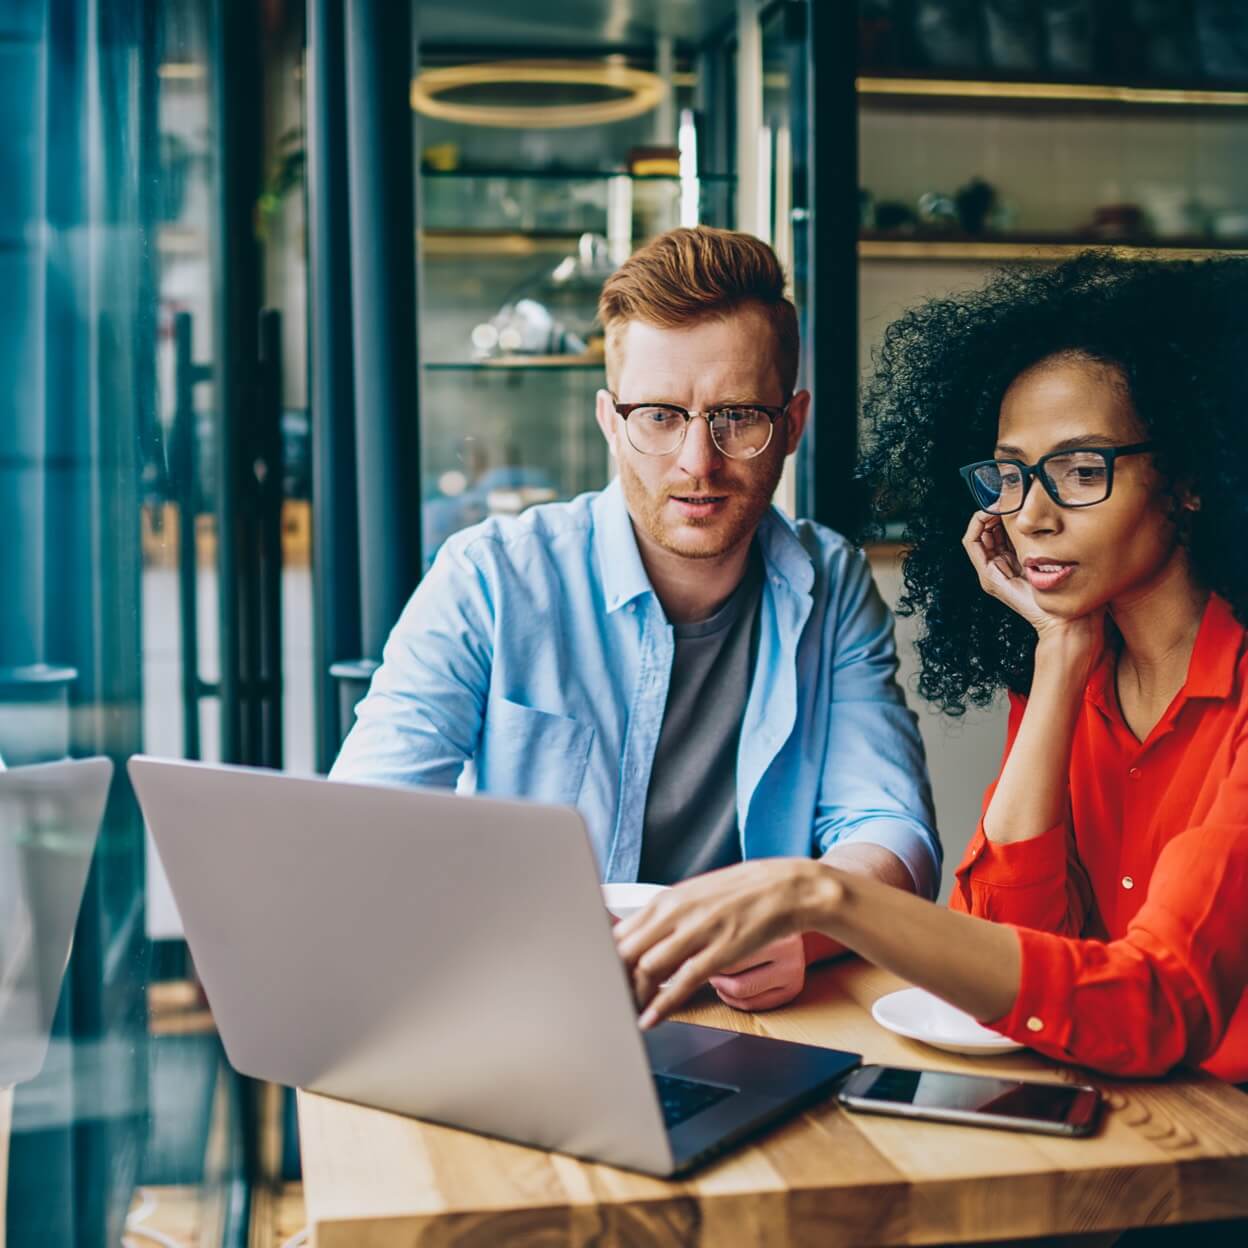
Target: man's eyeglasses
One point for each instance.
(739, 430)
(1070, 478)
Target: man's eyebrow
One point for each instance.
(729, 402)
(1066, 444)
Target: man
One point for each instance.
(704, 678)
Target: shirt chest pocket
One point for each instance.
(532, 754)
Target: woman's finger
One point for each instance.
(975, 529)
(640, 931)
(686, 939)
(657, 963)
(679, 988)
(976, 541)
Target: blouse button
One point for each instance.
(1135, 773)
(1035, 1024)
(1128, 882)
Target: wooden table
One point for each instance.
(1170, 1151)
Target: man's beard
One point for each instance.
(748, 504)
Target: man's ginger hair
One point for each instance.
(691, 275)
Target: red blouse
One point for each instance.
(1132, 914)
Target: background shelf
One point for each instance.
(520, 363)
(901, 88)
(1039, 248)
(567, 175)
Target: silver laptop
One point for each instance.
(50, 816)
(447, 957)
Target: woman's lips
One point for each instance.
(1048, 574)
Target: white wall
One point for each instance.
(962, 754)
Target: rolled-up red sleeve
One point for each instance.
(1166, 991)
(1036, 883)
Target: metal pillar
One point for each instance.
(335, 531)
(831, 109)
(383, 300)
(236, 301)
(749, 119)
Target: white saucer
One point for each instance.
(918, 1015)
(625, 899)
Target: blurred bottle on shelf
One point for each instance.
(1069, 31)
(1012, 36)
(1222, 39)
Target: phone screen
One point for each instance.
(974, 1094)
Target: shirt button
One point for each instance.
(1128, 882)
(1035, 1024)
(1135, 773)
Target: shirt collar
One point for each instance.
(619, 561)
(624, 575)
(1210, 671)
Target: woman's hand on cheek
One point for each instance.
(1000, 575)
(992, 555)
(714, 924)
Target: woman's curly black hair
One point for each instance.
(1175, 330)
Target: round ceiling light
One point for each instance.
(643, 91)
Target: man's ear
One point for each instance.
(795, 423)
(604, 413)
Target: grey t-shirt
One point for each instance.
(691, 806)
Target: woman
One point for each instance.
(1096, 411)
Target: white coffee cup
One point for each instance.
(625, 899)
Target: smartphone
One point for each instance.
(973, 1100)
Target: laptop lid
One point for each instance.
(444, 956)
(50, 815)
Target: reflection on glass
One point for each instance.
(49, 823)
(496, 440)
(512, 266)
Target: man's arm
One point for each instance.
(874, 790)
(874, 816)
(421, 720)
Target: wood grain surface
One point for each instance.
(1168, 1151)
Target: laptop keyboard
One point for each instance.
(682, 1098)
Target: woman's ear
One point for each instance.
(1185, 495)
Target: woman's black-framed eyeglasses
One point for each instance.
(1074, 478)
(739, 430)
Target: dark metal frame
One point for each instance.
(829, 490)
(247, 389)
(183, 481)
(381, 172)
(335, 526)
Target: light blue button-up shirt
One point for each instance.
(536, 655)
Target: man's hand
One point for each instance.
(771, 977)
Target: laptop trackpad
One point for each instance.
(764, 1066)
(670, 1044)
